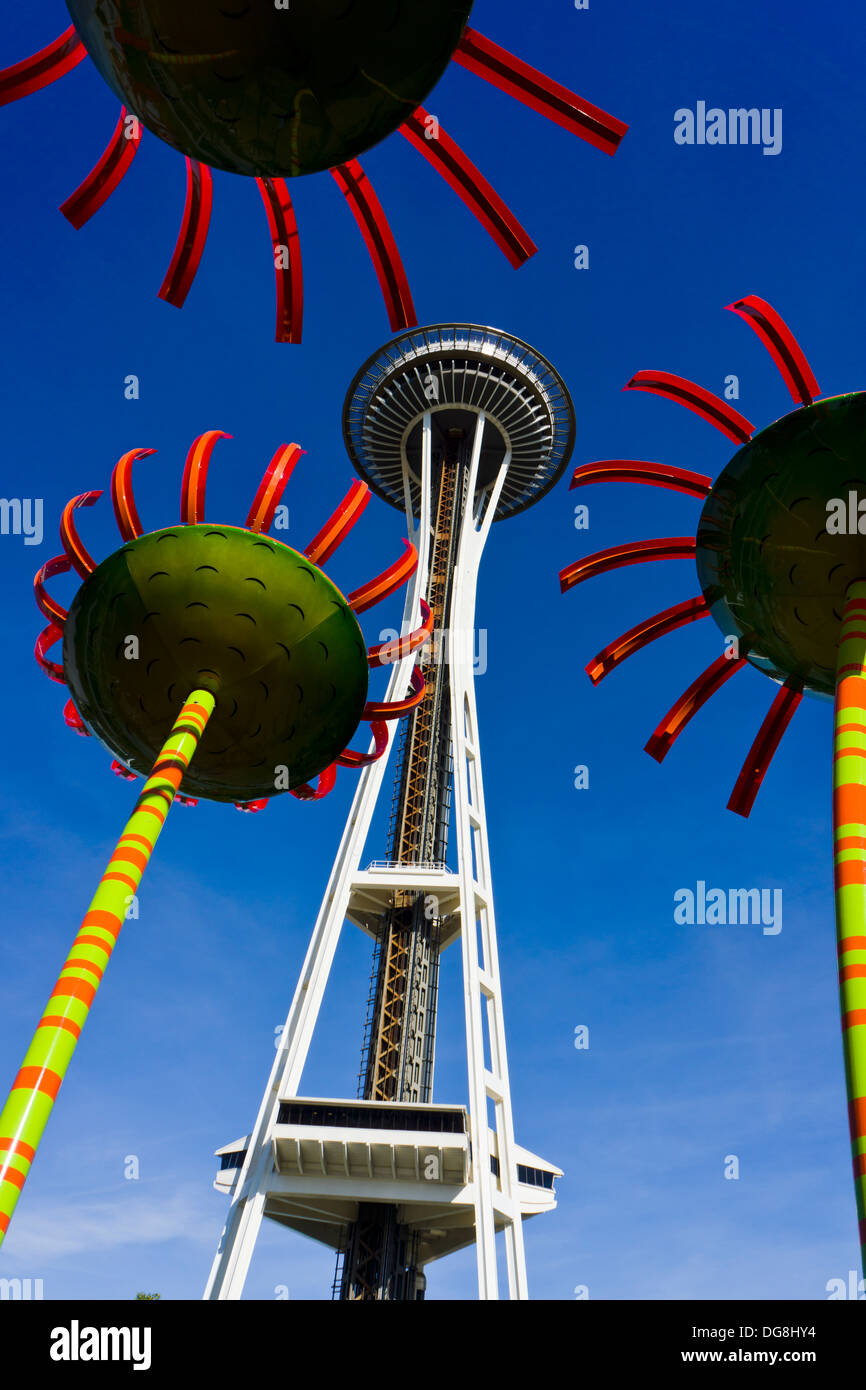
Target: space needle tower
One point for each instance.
(458, 426)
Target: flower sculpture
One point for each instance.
(277, 91)
(781, 565)
(208, 642)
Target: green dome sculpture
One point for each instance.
(226, 610)
(775, 556)
(271, 90)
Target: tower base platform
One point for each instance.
(332, 1156)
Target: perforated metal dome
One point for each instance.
(452, 370)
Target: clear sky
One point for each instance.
(705, 1041)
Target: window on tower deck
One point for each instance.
(235, 1160)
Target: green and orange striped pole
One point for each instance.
(35, 1088)
(849, 834)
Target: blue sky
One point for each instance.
(704, 1042)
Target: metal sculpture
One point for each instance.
(281, 92)
(246, 655)
(781, 563)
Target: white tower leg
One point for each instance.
(488, 1068)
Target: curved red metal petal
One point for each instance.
(762, 751)
(192, 488)
(324, 785)
(679, 715)
(120, 771)
(349, 758)
(53, 611)
(630, 553)
(287, 259)
(192, 237)
(386, 653)
(82, 561)
(782, 346)
(46, 639)
(397, 708)
(339, 524)
(639, 471)
(122, 497)
(272, 486)
(106, 174)
(43, 68)
(386, 583)
(705, 403)
(510, 74)
(470, 185)
(73, 719)
(252, 806)
(647, 631)
(379, 239)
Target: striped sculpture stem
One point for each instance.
(849, 836)
(35, 1088)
